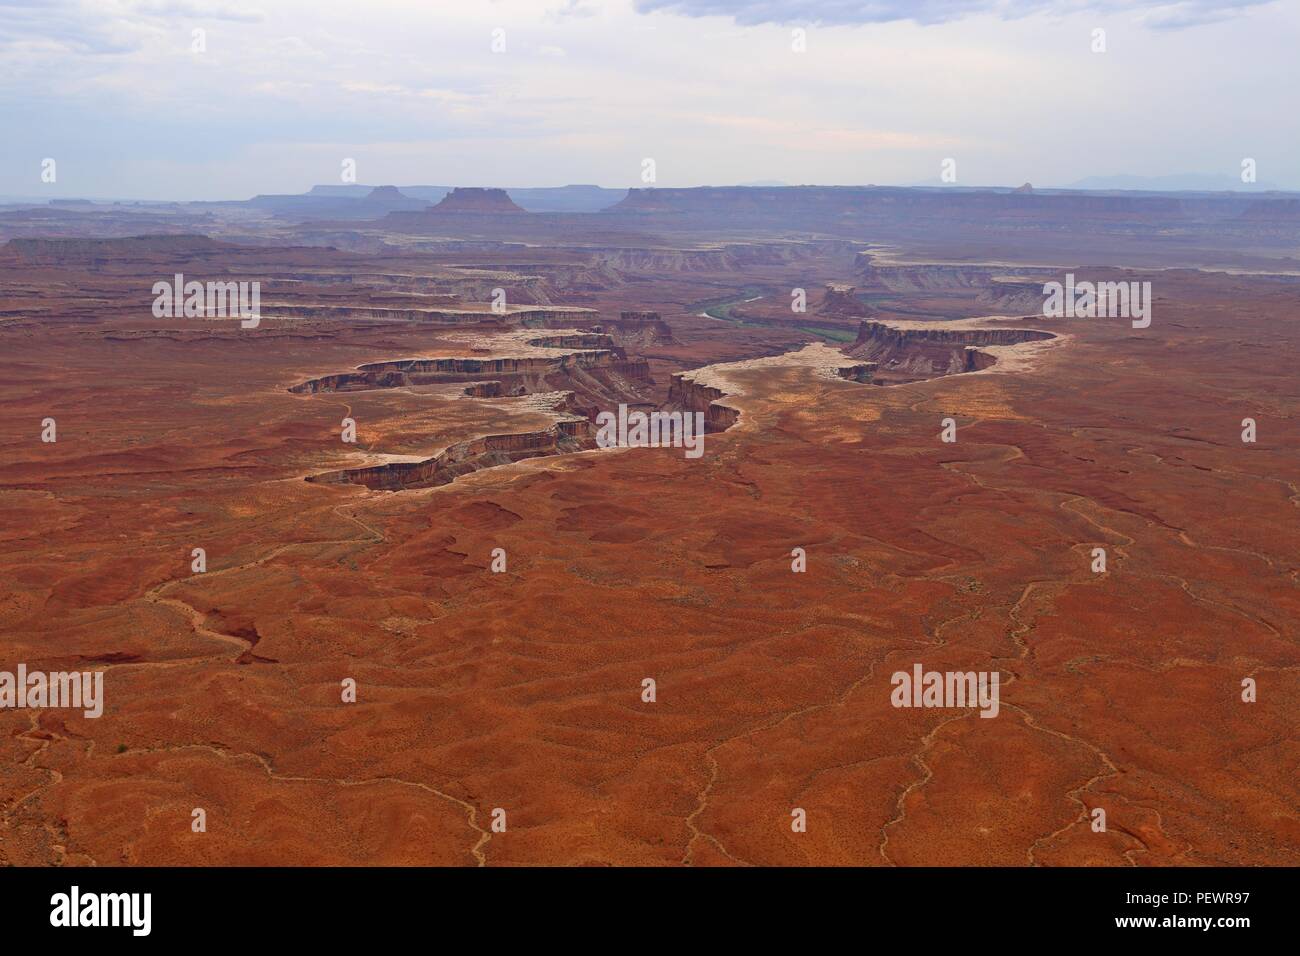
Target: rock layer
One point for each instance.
(921, 352)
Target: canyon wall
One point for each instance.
(908, 353)
(465, 457)
(687, 395)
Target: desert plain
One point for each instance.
(497, 588)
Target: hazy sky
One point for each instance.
(584, 90)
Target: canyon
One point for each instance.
(498, 586)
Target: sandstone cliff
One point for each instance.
(918, 352)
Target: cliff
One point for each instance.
(99, 251)
(899, 211)
(842, 300)
(464, 457)
(643, 329)
(687, 395)
(907, 354)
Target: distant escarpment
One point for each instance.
(719, 258)
(345, 202)
(825, 202)
(902, 211)
(912, 353)
(95, 252)
(994, 285)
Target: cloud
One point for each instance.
(573, 8)
(106, 26)
(1156, 13)
(113, 89)
(1176, 16)
(198, 10)
(59, 25)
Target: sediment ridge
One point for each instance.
(514, 374)
(462, 458)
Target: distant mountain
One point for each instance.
(583, 198)
(351, 191)
(567, 198)
(428, 193)
(473, 201)
(576, 198)
(324, 202)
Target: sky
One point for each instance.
(128, 102)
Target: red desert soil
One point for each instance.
(522, 690)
